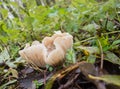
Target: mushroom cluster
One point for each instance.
(51, 51)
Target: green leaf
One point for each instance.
(110, 56)
(2, 30)
(89, 28)
(50, 69)
(28, 21)
(19, 60)
(90, 50)
(91, 59)
(110, 26)
(104, 43)
(14, 50)
(38, 84)
(4, 12)
(112, 79)
(116, 42)
(53, 14)
(70, 56)
(4, 56)
(11, 64)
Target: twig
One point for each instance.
(114, 22)
(78, 86)
(45, 76)
(61, 73)
(102, 56)
(69, 82)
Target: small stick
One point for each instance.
(69, 82)
(45, 76)
(102, 56)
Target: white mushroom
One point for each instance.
(35, 54)
(51, 51)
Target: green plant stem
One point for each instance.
(117, 15)
(113, 32)
(78, 43)
(107, 33)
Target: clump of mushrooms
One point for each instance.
(51, 51)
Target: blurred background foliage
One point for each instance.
(23, 21)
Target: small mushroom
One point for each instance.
(35, 54)
(56, 56)
(48, 42)
(51, 51)
(61, 43)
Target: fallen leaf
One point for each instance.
(87, 68)
(111, 57)
(60, 74)
(113, 79)
(14, 72)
